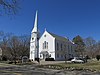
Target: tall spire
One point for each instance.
(35, 29)
(45, 29)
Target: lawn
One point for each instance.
(92, 65)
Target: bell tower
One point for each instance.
(34, 41)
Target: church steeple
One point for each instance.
(34, 41)
(35, 29)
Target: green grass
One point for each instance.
(93, 65)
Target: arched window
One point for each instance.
(45, 45)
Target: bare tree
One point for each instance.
(91, 46)
(18, 47)
(97, 52)
(4, 43)
(24, 46)
(9, 7)
(14, 47)
(1, 35)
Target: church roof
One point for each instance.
(58, 37)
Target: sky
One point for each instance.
(67, 18)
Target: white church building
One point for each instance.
(49, 45)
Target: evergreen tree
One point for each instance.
(79, 45)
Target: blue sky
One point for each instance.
(63, 17)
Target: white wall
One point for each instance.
(52, 47)
(51, 44)
(33, 46)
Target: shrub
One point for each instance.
(37, 59)
(4, 58)
(98, 57)
(10, 62)
(87, 57)
(49, 59)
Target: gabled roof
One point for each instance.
(58, 37)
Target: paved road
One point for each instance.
(33, 70)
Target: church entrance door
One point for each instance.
(45, 54)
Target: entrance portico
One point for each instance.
(44, 55)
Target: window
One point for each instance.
(32, 38)
(71, 48)
(44, 35)
(57, 46)
(57, 55)
(31, 52)
(61, 46)
(64, 47)
(50, 55)
(45, 45)
(61, 56)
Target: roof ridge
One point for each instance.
(58, 36)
